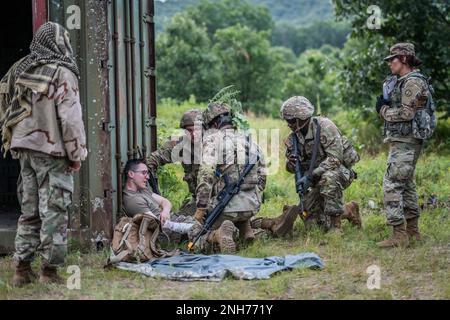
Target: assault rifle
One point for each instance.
(299, 187)
(224, 197)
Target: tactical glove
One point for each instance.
(304, 183)
(200, 215)
(380, 103)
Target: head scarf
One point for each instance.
(50, 48)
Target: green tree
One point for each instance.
(315, 77)
(186, 66)
(424, 23)
(249, 63)
(215, 15)
(314, 36)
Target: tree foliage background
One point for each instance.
(424, 23)
(270, 50)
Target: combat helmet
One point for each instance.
(213, 111)
(190, 117)
(297, 107)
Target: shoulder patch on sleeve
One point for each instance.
(412, 90)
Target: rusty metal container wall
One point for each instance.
(92, 217)
(79, 223)
(129, 94)
(112, 44)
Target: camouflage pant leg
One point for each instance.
(313, 204)
(233, 217)
(400, 196)
(332, 184)
(54, 192)
(29, 225)
(188, 208)
(410, 201)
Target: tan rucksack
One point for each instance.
(135, 240)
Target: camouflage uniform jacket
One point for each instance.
(224, 153)
(410, 94)
(55, 126)
(164, 155)
(330, 151)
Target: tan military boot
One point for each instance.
(49, 274)
(224, 237)
(246, 231)
(284, 224)
(335, 224)
(23, 274)
(351, 213)
(399, 238)
(281, 226)
(412, 229)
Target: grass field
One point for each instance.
(419, 272)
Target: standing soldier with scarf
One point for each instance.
(41, 123)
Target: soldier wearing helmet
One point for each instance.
(184, 147)
(222, 146)
(326, 179)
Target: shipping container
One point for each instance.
(114, 45)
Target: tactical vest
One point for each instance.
(350, 155)
(233, 171)
(424, 122)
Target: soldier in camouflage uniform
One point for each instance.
(42, 126)
(332, 172)
(184, 147)
(224, 153)
(405, 124)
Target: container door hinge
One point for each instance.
(147, 18)
(108, 126)
(150, 72)
(105, 65)
(107, 193)
(150, 122)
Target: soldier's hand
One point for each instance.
(164, 216)
(292, 159)
(74, 166)
(200, 215)
(304, 183)
(380, 103)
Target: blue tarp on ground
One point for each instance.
(190, 267)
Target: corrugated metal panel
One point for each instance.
(113, 51)
(114, 47)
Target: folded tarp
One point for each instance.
(196, 267)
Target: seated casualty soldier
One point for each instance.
(323, 181)
(183, 149)
(139, 199)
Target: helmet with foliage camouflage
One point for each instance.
(214, 110)
(297, 107)
(190, 117)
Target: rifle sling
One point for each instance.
(315, 149)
